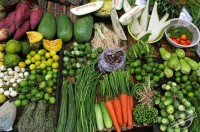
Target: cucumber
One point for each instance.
(106, 117)
(47, 25)
(64, 27)
(71, 119)
(99, 117)
(63, 109)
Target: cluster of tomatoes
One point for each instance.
(182, 40)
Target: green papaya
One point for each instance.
(173, 62)
(64, 27)
(193, 64)
(47, 25)
(83, 28)
(165, 55)
(185, 67)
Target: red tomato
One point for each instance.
(188, 42)
(178, 40)
(182, 42)
(183, 37)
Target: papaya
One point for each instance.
(47, 26)
(52, 45)
(34, 36)
(83, 28)
(64, 27)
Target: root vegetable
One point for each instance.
(35, 16)
(10, 19)
(12, 29)
(21, 31)
(22, 14)
(4, 34)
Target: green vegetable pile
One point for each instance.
(177, 61)
(139, 50)
(146, 68)
(40, 85)
(77, 56)
(175, 109)
(144, 111)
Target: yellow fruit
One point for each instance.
(43, 58)
(43, 66)
(33, 60)
(52, 45)
(28, 56)
(32, 53)
(47, 55)
(52, 53)
(42, 52)
(2, 98)
(32, 67)
(2, 56)
(37, 63)
(34, 36)
(22, 64)
(1, 63)
(37, 57)
(55, 65)
(28, 61)
(55, 58)
(2, 47)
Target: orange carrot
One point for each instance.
(118, 110)
(111, 111)
(131, 102)
(129, 113)
(124, 104)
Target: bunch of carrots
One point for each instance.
(120, 104)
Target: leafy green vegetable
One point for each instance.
(178, 31)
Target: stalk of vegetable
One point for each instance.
(144, 17)
(62, 120)
(111, 110)
(71, 118)
(85, 93)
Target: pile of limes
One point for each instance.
(42, 59)
(40, 85)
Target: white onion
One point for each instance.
(10, 89)
(12, 80)
(1, 75)
(1, 90)
(26, 74)
(19, 80)
(2, 68)
(9, 69)
(6, 78)
(16, 76)
(21, 75)
(6, 93)
(11, 72)
(17, 69)
(14, 85)
(13, 93)
(22, 70)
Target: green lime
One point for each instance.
(190, 94)
(74, 66)
(94, 55)
(99, 50)
(32, 83)
(25, 102)
(69, 67)
(38, 71)
(184, 91)
(50, 83)
(188, 87)
(194, 73)
(162, 74)
(39, 95)
(24, 83)
(64, 73)
(25, 90)
(196, 93)
(150, 60)
(21, 96)
(18, 103)
(33, 72)
(46, 96)
(132, 71)
(138, 77)
(184, 78)
(136, 64)
(156, 78)
(31, 77)
(42, 84)
(44, 71)
(161, 67)
(157, 71)
(28, 96)
(178, 80)
(72, 60)
(177, 74)
(149, 69)
(34, 91)
(72, 73)
(52, 100)
(138, 70)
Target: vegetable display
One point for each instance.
(67, 67)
